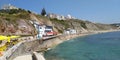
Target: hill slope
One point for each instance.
(18, 22)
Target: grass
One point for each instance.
(14, 14)
(63, 22)
(11, 16)
(82, 23)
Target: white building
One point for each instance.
(118, 27)
(39, 28)
(70, 31)
(73, 31)
(70, 17)
(52, 15)
(49, 31)
(59, 17)
(63, 17)
(66, 32)
(41, 31)
(9, 6)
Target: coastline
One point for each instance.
(60, 39)
(42, 46)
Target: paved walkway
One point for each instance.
(24, 57)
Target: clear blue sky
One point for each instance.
(100, 11)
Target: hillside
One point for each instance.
(17, 22)
(80, 25)
(116, 24)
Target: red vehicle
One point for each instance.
(51, 33)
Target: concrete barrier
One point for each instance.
(37, 56)
(10, 52)
(24, 57)
(33, 56)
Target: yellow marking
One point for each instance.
(7, 37)
(3, 48)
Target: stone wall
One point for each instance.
(25, 48)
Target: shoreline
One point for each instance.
(45, 45)
(60, 39)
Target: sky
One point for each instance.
(98, 11)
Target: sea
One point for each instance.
(103, 46)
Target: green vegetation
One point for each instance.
(11, 11)
(63, 22)
(60, 31)
(12, 17)
(8, 17)
(83, 25)
(40, 16)
(14, 14)
(43, 12)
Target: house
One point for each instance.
(73, 31)
(42, 30)
(59, 17)
(70, 17)
(51, 15)
(118, 27)
(9, 6)
(39, 28)
(70, 31)
(49, 31)
(66, 32)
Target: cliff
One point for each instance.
(17, 22)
